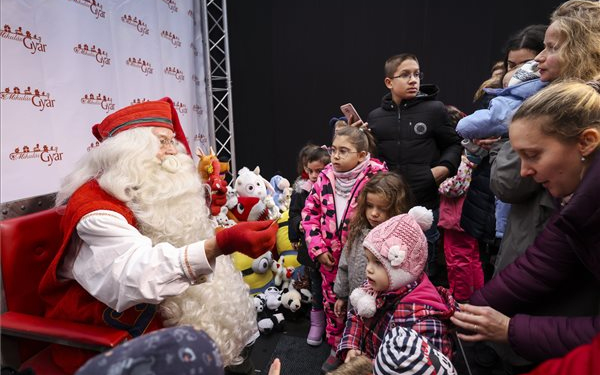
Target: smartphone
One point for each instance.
(350, 112)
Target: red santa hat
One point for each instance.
(158, 113)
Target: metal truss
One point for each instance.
(216, 56)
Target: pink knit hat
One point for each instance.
(401, 246)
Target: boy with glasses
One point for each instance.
(414, 137)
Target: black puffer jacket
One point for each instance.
(413, 138)
(478, 214)
(294, 234)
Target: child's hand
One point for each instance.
(326, 259)
(351, 354)
(340, 307)
(486, 143)
(275, 368)
(440, 173)
(359, 124)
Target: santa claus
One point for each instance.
(139, 251)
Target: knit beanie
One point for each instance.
(404, 351)
(401, 246)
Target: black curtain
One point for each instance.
(294, 63)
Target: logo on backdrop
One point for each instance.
(196, 79)
(39, 99)
(32, 42)
(174, 39)
(93, 145)
(180, 107)
(98, 54)
(46, 154)
(94, 6)
(139, 100)
(103, 101)
(198, 109)
(194, 49)
(175, 72)
(139, 25)
(201, 138)
(143, 65)
(171, 4)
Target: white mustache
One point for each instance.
(171, 164)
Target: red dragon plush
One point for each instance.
(212, 172)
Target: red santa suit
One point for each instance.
(108, 273)
(107, 228)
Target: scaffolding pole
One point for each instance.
(218, 81)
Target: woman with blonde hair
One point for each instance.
(556, 133)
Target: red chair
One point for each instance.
(28, 245)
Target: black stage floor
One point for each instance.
(297, 357)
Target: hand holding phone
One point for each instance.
(350, 112)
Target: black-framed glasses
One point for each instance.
(342, 152)
(407, 75)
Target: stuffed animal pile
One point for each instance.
(274, 305)
(272, 277)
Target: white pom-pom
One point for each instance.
(356, 295)
(363, 302)
(423, 216)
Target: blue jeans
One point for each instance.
(433, 235)
(315, 287)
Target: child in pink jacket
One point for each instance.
(328, 210)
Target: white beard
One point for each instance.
(169, 203)
(170, 207)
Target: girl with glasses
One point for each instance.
(327, 213)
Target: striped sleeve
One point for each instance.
(404, 351)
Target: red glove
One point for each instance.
(252, 238)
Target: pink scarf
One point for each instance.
(344, 181)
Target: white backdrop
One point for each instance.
(67, 64)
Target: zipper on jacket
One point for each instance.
(338, 227)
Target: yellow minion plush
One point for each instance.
(284, 246)
(256, 272)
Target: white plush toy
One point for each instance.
(291, 298)
(268, 324)
(274, 212)
(222, 219)
(251, 184)
(281, 274)
(232, 198)
(272, 298)
(283, 192)
(259, 302)
(267, 320)
(286, 198)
